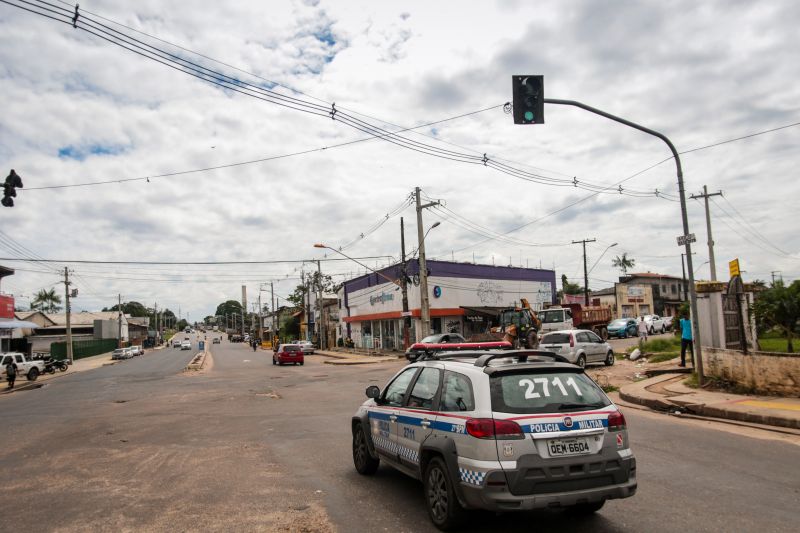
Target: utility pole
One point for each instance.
(260, 319)
(683, 271)
(272, 300)
(711, 261)
(404, 287)
(585, 272)
(119, 321)
(773, 276)
(69, 312)
(425, 306)
(323, 344)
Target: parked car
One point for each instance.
(288, 353)
(668, 322)
(137, 350)
(578, 346)
(215, 340)
(176, 342)
(623, 328)
(307, 346)
(29, 368)
(186, 345)
(655, 324)
(121, 353)
(497, 430)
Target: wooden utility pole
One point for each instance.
(711, 261)
(404, 287)
(585, 271)
(69, 311)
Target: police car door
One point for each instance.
(383, 416)
(415, 422)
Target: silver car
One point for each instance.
(497, 430)
(578, 346)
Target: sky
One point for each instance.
(78, 109)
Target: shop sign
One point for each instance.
(636, 291)
(6, 306)
(474, 318)
(381, 298)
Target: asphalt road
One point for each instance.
(246, 445)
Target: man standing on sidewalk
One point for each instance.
(11, 373)
(686, 339)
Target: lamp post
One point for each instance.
(601, 255)
(425, 306)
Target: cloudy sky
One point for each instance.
(79, 109)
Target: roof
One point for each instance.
(651, 275)
(84, 318)
(603, 292)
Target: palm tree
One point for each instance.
(623, 263)
(46, 301)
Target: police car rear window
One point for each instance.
(545, 392)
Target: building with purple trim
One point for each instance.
(464, 298)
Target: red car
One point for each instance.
(288, 353)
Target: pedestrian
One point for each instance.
(642, 330)
(255, 345)
(686, 339)
(11, 373)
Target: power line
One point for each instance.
(266, 262)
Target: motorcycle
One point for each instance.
(51, 365)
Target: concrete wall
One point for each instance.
(764, 372)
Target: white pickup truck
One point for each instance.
(25, 367)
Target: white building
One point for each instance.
(464, 298)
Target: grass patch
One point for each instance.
(662, 356)
(610, 388)
(776, 344)
(669, 344)
(691, 381)
(716, 384)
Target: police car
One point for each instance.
(497, 430)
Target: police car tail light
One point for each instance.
(616, 421)
(489, 428)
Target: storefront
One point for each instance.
(464, 298)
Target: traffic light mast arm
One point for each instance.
(685, 219)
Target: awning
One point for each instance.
(16, 324)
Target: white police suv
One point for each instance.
(497, 430)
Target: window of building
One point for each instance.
(674, 289)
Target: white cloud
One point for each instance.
(698, 72)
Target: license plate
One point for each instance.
(562, 447)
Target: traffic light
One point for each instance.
(13, 181)
(528, 94)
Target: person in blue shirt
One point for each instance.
(686, 339)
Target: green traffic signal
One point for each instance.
(528, 115)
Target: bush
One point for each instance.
(669, 344)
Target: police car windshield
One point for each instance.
(531, 392)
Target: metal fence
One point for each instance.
(82, 349)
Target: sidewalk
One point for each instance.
(668, 393)
(80, 365)
(349, 358)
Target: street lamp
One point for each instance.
(601, 255)
(425, 306)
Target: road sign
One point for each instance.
(683, 239)
(733, 267)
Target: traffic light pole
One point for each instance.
(585, 272)
(684, 217)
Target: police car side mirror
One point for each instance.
(373, 392)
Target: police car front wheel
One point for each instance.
(364, 462)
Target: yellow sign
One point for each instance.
(733, 266)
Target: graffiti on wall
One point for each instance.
(490, 293)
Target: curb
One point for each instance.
(197, 362)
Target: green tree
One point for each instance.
(623, 263)
(131, 308)
(47, 301)
(182, 323)
(569, 288)
(230, 307)
(779, 307)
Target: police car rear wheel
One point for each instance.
(443, 507)
(364, 462)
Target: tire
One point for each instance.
(583, 509)
(581, 362)
(273, 361)
(609, 359)
(365, 464)
(443, 507)
(532, 339)
(51, 369)
(652, 330)
(625, 334)
(63, 367)
(603, 334)
(663, 329)
(33, 373)
(301, 364)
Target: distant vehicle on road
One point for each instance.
(137, 350)
(176, 342)
(576, 316)
(578, 346)
(288, 353)
(655, 324)
(623, 328)
(215, 340)
(186, 345)
(307, 346)
(121, 353)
